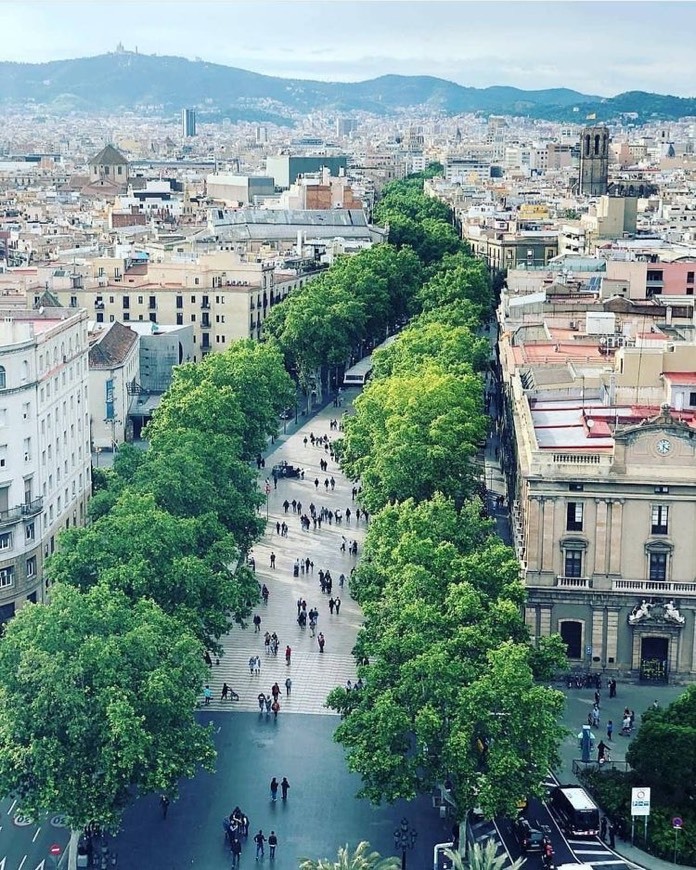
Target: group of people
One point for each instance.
(235, 826)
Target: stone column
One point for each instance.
(598, 633)
(601, 531)
(531, 620)
(534, 540)
(544, 620)
(616, 525)
(612, 649)
(548, 537)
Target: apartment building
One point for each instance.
(44, 444)
(113, 369)
(222, 295)
(599, 428)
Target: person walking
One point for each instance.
(610, 729)
(288, 654)
(275, 691)
(284, 786)
(601, 751)
(207, 694)
(274, 789)
(612, 688)
(275, 706)
(337, 604)
(236, 848)
(288, 687)
(321, 641)
(273, 558)
(259, 839)
(603, 828)
(164, 805)
(331, 605)
(257, 623)
(223, 693)
(272, 843)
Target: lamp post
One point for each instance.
(404, 838)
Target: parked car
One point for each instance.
(530, 838)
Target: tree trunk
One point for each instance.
(72, 849)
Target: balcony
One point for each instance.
(33, 507)
(573, 582)
(13, 515)
(654, 587)
(205, 323)
(205, 305)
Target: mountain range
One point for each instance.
(131, 81)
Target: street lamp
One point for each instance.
(404, 838)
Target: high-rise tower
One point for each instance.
(188, 123)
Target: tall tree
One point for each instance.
(185, 564)
(97, 695)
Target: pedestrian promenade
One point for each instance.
(313, 674)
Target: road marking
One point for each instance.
(23, 860)
(22, 821)
(36, 834)
(40, 866)
(12, 806)
(59, 821)
(2, 864)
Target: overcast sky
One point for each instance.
(595, 47)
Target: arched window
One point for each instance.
(596, 145)
(587, 146)
(3, 378)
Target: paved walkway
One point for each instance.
(313, 674)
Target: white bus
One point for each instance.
(359, 374)
(575, 810)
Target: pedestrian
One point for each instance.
(284, 786)
(331, 605)
(268, 704)
(252, 664)
(596, 698)
(347, 515)
(164, 805)
(278, 527)
(223, 693)
(357, 515)
(612, 688)
(208, 660)
(610, 729)
(333, 483)
(286, 505)
(603, 828)
(316, 483)
(288, 653)
(259, 839)
(275, 691)
(353, 493)
(272, 840)
(274, 789)
(601, 750)
(275, 706)
(612, 835)
(321, 642)
(267, 642)
(236, 848)
(337, 604)
(257, 623)
(294, 505)
(265, 593)
(272, 560)
(207, 694)
(257, 666)
(288, 686)
(262, 701)
(341, 580)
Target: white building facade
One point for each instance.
(45, 477)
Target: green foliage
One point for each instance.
(670, 735)
(484, 857)
(458, 277)
(361, 859)
(549, 656)
(446, 661)
(96, 700)
(181, 563)
(415, 434)
(239, 393)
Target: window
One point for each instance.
(689, 277)
(126, 301)
(153, 302)
(193, 318)
(3, 378)
(31, 566)
(153, 316)
(179, 301)
(193, 299)
(572, 563)
(100, 316)
(6, 541)
(179, 318)
(30, 532)
(196, 281)
(6, 577)
(111, 299)
(140, 300)
(126, 316)
(658, 566)
(658, 522)
(574, 516)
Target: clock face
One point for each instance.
(663, 446)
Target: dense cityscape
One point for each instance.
(347, 490)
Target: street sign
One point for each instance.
(55, 850)
(677, 822)
(640, 801)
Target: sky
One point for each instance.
(600, 48)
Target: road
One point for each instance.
(24, 844)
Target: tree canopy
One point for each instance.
(97, 694)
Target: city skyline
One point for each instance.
(526, 44)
